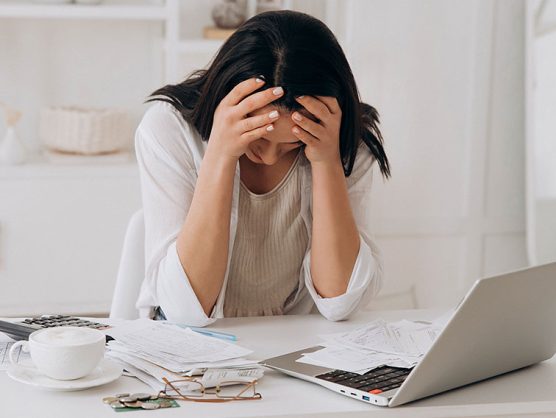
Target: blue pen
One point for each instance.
(210, 333)
(216, 334)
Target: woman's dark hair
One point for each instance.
(289, 49)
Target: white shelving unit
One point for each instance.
(22, 10)
(62, 225)
(168, 13)
(173, 46)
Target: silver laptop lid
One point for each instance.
(504, 323)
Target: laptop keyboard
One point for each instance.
(374, 381)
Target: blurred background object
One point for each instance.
(12, 150)
(229, 14)
(86, 131)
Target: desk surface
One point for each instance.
(527, 392)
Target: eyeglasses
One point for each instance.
(189, 389)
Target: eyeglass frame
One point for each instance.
(204, 391)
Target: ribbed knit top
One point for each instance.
(271, 240)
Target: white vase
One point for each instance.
(12, 150)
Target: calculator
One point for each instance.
(21, 330)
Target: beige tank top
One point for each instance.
(269, 246)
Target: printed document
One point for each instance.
(152, 350)
(378, 343)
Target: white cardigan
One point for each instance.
(169, 153)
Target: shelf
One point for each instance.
(39, 167)
(81, 11)
(198, 45)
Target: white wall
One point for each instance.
(61, 234)
(446, 76)
(541, 132)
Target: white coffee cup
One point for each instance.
(64, 353)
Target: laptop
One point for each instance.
(504, 323)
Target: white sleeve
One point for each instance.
(366, 276)
(168, 178)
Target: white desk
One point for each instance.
(530, 392)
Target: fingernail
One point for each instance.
(296, 130)
(278, 91)
(259, 79)
(297, 116)
(273, 114)
(270, 128)
(300, 97)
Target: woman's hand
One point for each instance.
(232, 130)
(322, 138)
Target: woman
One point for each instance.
(256, 177)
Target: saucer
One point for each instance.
(107, 371)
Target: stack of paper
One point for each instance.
(395, 344)
(151, 350)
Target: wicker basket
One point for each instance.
(84, 131)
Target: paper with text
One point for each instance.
(172, 347)
(378, 343)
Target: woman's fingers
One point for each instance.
(314, 128)
(315, 107)
(257, 121)
(331, 103)
(233, 128)
(250, 136)
(242, 90)
(304, 136)
(259, 100)
(256, 126)
(241, 100)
